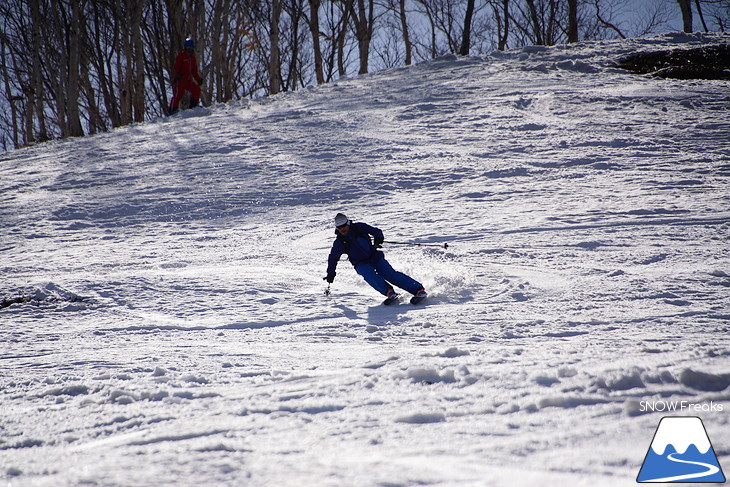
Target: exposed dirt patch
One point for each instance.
(711, 62)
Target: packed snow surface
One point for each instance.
(164, 319)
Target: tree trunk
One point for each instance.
(96, 122)
(59, 83)
(363, 19)
(177, 29)
(124, 64)
(74, 62)
(406, 36)
(347, 6)
(536, 27)
(197, 30)
(138, 84)
(274, 61)
(218, 76)
(293, 75)
(466, 37)
(552, 28)
(572, 20)
(9, 95)
(38, 102)
(502, 43)
(314, 29)
(102, 64)
(433, 30)
(686, 7)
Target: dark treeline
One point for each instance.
(76, 67)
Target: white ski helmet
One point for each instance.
(341, 219)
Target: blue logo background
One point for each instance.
(687, 434)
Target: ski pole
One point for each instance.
(444, 245)
(327, 291)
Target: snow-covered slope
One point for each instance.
(169, 325)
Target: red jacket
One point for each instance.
(186, 68)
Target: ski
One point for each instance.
(419, 296)
(392, 298)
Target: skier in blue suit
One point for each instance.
(354, 240)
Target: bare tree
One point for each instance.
(342, 36)
(363, 18)
(501, 15)
(136, 59)
(89, 65)
(295, 74)
(334, 40)
(607, 22)
(314, 30)
(12, 99)
(10, 33)
(572, 20)
(446, 22)
(274, 60)
(37, 91)
(535, 22)
(721, 14)
(405, 32)
(548, 22)
(430, 15)
(466, 33)
(74, 61)
(685, 6)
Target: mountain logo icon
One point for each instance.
(681, 452)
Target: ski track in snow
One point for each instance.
(169, 324)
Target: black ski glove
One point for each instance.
(378, 243)
(330, 278)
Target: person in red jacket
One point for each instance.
(185, 77)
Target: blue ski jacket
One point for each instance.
(357, 245)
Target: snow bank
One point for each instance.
(48, 294)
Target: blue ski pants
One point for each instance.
(381, 276)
